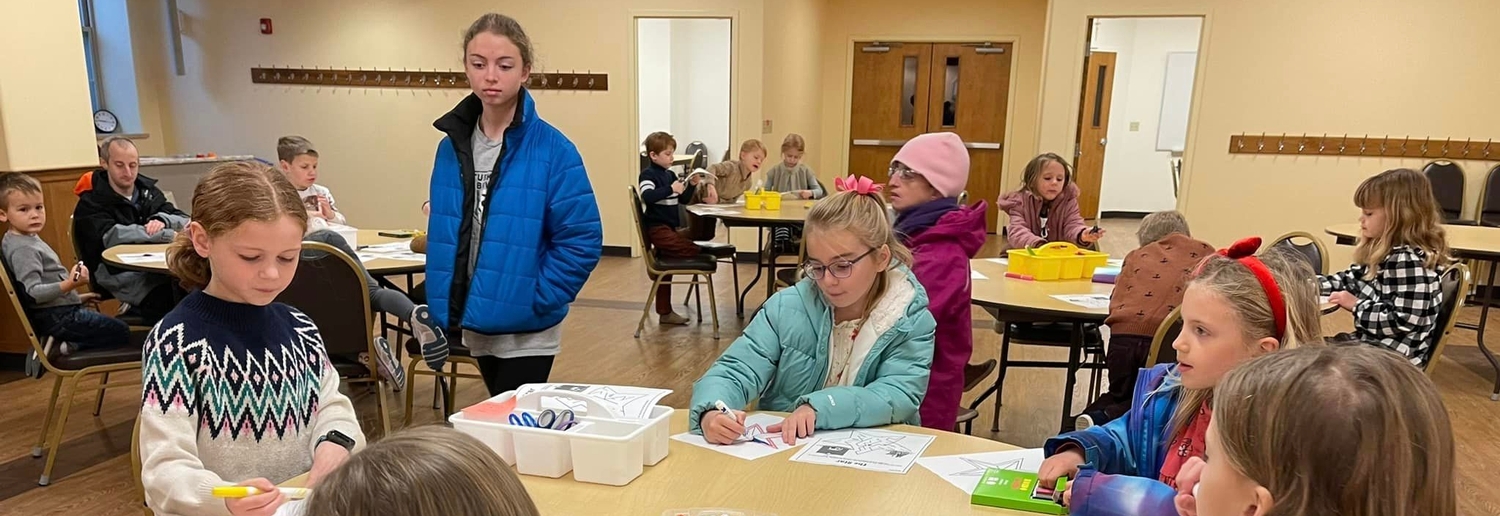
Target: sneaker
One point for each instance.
(66, 348)
(390, 369)
(673, 319)
(434, 343)
(974, 374)
(1083, 422)
(33, 365)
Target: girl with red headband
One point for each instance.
(1237, 306)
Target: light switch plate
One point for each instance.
(765, 127)
(1135, 126)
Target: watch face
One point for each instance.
(105, 122)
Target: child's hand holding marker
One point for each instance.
(723, 426)
(256, 497)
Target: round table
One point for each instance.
(692, 477)
(1479, 243)
(367, 237)
(793, 214)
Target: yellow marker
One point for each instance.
(295, 493)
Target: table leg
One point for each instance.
(760, 243)
(1000, 378)
(1073, 351)
(1484, 316)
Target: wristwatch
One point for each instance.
(336, 437)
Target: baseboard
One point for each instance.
(617, 250)
(1123, 214)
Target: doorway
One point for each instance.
(1132, 123)
(904, 89)
(683, 84)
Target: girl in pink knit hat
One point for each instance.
(927, 176)
(1045, 208)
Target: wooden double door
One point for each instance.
(901, 90)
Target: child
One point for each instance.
(732, 178)
(858, 308)
(1148, 288)
(1045, 209)
(1347, 430)
(791, 177)
(49, 290)
(927, 176)
(1237, 306)
(1394, 287)
(660, 191)
(423, 470)
(236, 387)
(299, 161)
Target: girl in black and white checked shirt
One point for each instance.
(1394, 286)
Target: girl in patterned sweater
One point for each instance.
(237, 388)
(1394, 287)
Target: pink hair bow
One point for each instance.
(858, 184)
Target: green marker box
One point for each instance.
(1019, 490)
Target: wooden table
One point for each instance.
(378, 267)
(1017, 300)
(695, 477)
(793, 214)
(1479, 243)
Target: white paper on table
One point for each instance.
(623, 402)
(963, 471)
(755, 426)
(1114, 262)
(867, 449)
(292, 508)
(406, 256)
(366, 257)
(1322, 300)
(139, 258)
(1001, 261)
(1090, 301)
(388, 247)
(975, 275)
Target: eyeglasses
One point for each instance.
(903, 172)
(840, 269)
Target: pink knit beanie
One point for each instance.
(940, 158)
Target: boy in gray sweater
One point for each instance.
(48, 291)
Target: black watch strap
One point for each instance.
(337, 437)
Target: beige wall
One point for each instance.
(45, 118)
(794, 77)
(1377, 67)
(1020, 21)
(377, 145)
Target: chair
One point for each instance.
(1489, 199)
(72, 368)
(1161, 344)
(701, 268)
(457, 354)
(136, 322)
(331, 290)
(1051, 335)
(1447, 180)
(1455, 282)
(700, 155)
(1313, 251)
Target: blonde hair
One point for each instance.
(1411, 218)
(1157, 226)
(232, 194)
(1352, 430)
(16, 182)
(864, 216)
(425, 470)
(1237, 285)
(793, 141)
(750, 146)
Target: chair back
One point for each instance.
(1161, 344)
(700, 155)
(13, 315)
(645, 161)
(1489, 200)
(330, 288)
(1312, 250)
(1447, 180)
(637, 207)
(1455, 283)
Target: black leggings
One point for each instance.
(506, 374)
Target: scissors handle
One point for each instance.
(546, 420)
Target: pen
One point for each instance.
(295, 493)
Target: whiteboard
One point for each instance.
(1176, 99)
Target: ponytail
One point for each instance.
(190, 269)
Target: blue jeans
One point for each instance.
(85, 329)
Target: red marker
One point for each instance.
(1019, 276)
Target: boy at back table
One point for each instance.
(48, 288)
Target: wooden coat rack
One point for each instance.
(406, 79)
(1365, 146)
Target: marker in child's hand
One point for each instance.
(75, 271)
(295, 493)
(719, 404)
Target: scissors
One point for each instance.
(549, 419)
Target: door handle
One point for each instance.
(879, 143)
(984, 145)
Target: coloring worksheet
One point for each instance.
(623, 402)
(963, 471)
(1092, 301)
(976, 275)
(758, 441)
(142, 258)
(867, 449)
(292, 508)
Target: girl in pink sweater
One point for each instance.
(1045, 208)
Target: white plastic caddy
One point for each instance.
(600, 449)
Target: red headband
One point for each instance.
(1243, 251)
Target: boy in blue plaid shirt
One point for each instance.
(1394, 287)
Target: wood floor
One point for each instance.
(93, 475)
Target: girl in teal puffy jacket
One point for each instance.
(848, 346)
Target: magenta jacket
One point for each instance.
(1064, 223)
(941, 257)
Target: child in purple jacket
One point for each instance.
(1045, 208)
(927, 176)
